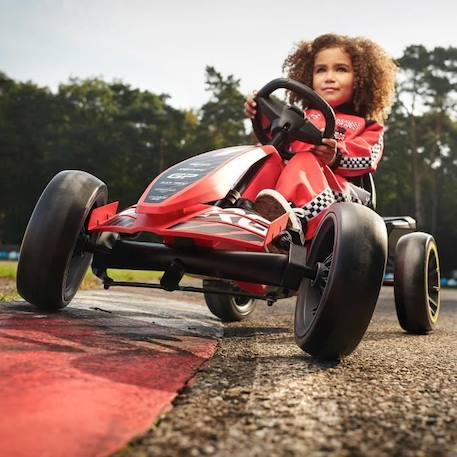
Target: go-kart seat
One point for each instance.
(364, 188)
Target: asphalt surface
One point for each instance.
(260, 395)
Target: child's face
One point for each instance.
(333, 76)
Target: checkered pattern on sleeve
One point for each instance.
(362, 163)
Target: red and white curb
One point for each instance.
(86, 380)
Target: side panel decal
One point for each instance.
(188, 172)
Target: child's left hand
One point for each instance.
(326, 151)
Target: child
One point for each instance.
(357, 78)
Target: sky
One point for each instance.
(164, 45)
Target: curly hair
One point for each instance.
(374, 71)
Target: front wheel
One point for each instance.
(417, 282)
(228, 308)
(53, 261)
(349, 253)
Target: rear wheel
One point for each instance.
(349, 252)
(417, 282)
(228, 308)
(53, 261)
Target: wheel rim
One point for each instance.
(433, 283)
(321, 252)
(78, 264)
(242, 304)
(80, 259)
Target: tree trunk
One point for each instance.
(417, 175)
(435, 192)
(437, 175)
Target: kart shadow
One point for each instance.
(301, 359)
(385, 335)
(251, 332)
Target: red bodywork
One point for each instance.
(179, 203)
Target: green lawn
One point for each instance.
(9, 293)
(8, 284)
(91, 281)
(8, 271)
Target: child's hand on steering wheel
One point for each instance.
(326, 151)
(250, 105)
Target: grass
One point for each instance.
(9, 296)
(91, 281)
(8, 271)
(8, 285)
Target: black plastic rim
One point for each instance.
(322, 252)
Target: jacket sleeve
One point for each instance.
(361, 154)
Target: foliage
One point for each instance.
(418, 174)
(221, 119)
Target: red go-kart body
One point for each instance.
(179, 203)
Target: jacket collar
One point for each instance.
(347, 108)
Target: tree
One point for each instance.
(221, 119)
(427, 96)
(26, 119)
(122, 135)
(418, 173)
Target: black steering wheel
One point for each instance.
(289, 123)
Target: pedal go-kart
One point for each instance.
(190, 220)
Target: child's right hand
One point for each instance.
(250, 106)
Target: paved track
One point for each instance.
(86, 380)
(261, 396)
(98, 371)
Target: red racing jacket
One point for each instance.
(359, 140)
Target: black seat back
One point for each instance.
(366, 182)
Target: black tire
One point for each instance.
(417, 282)
(228, 308)
(52, 264)
(332, 314)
